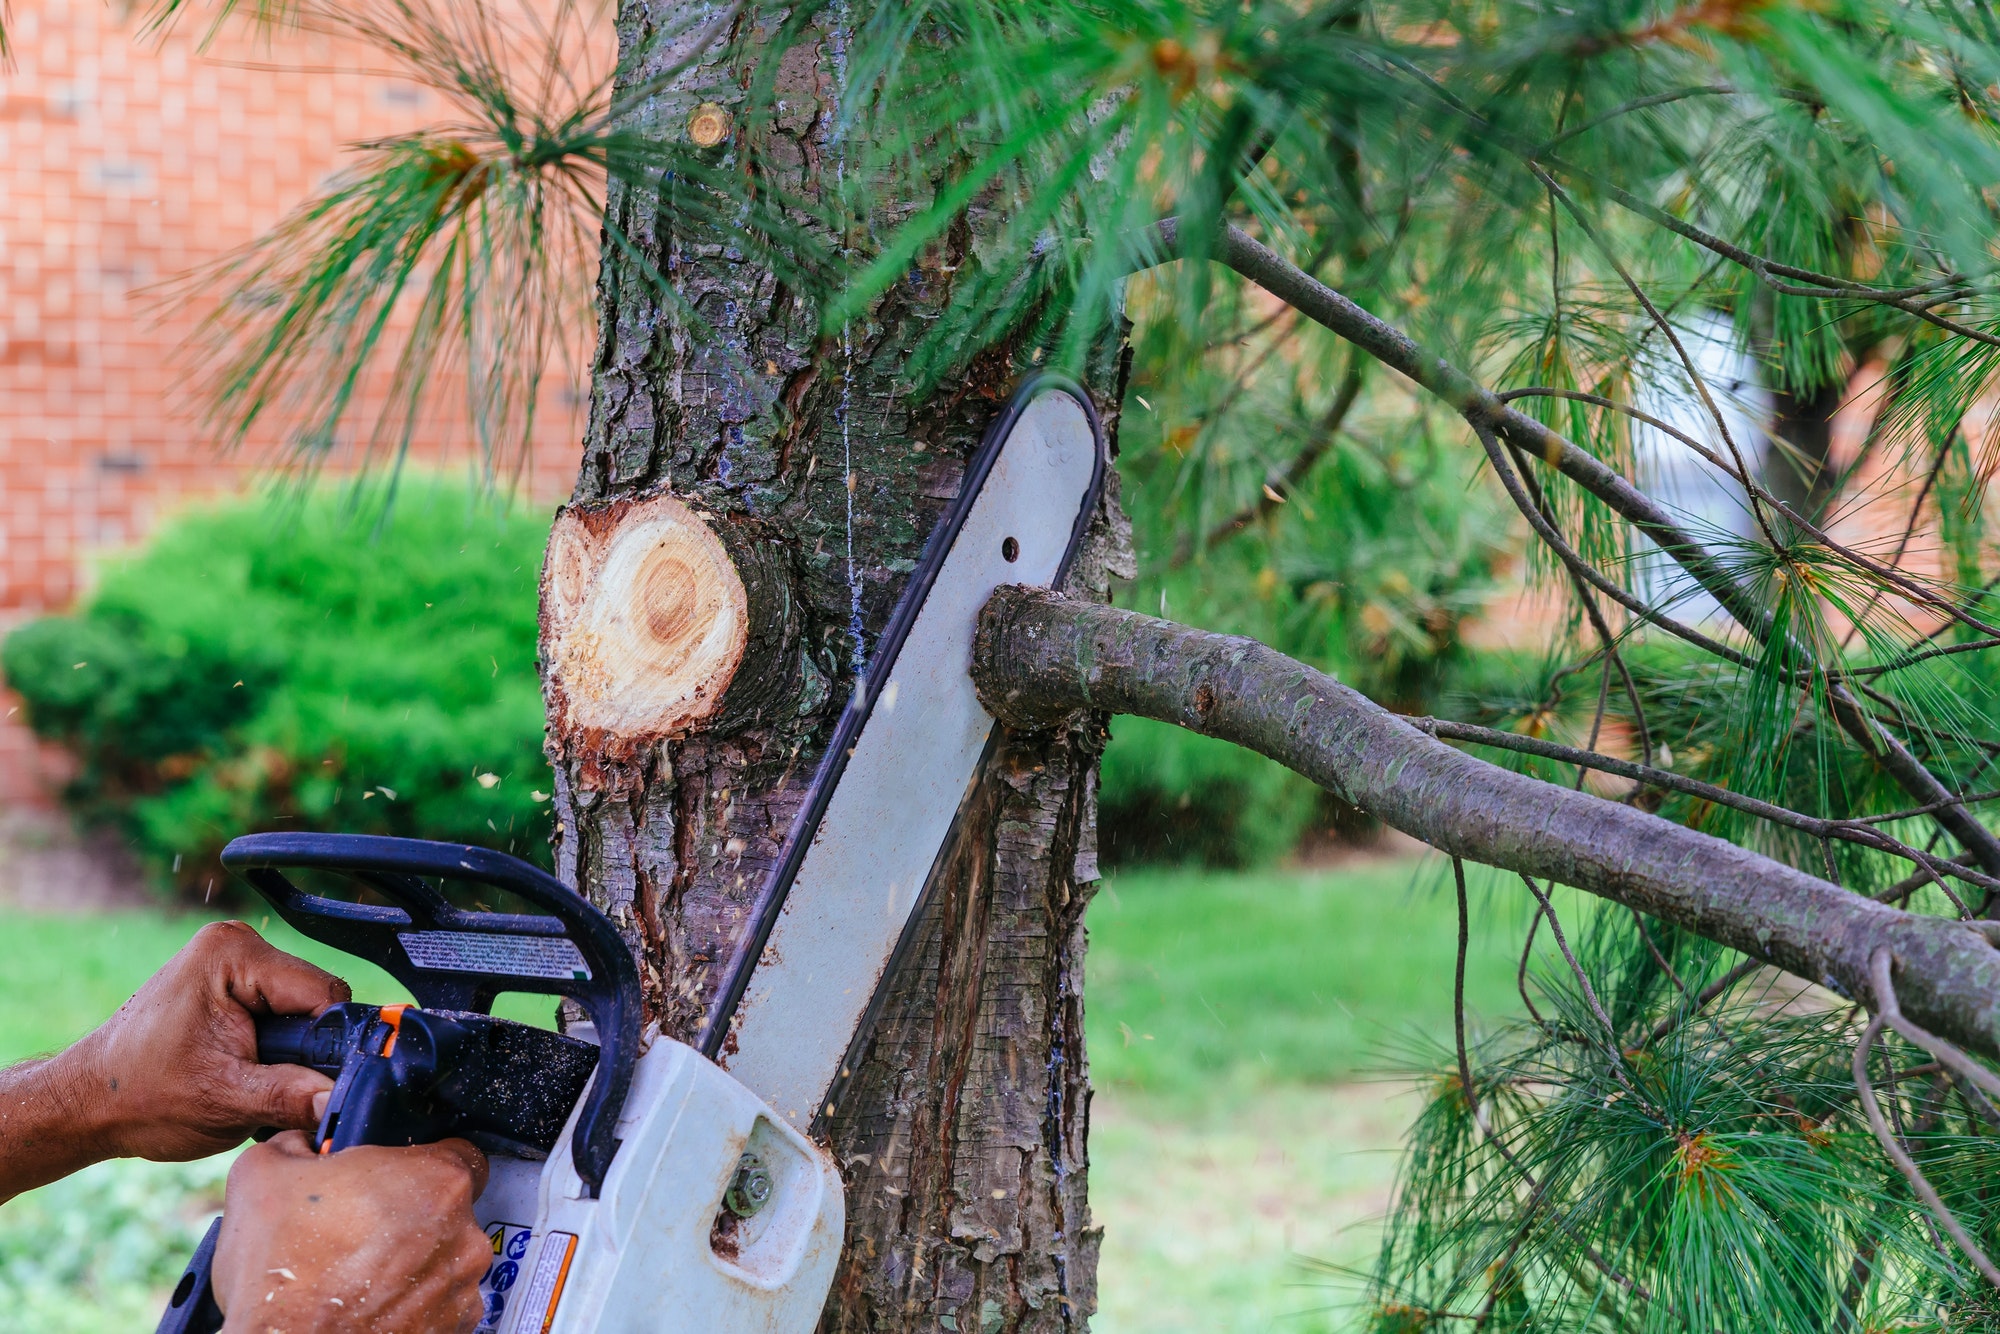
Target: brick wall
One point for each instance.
(126, 160)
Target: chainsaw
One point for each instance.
(636, 1183)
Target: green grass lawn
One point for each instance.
(1200, 983)
(1233, 1022)
(1251, 1037)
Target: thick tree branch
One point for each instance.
(1489, 416)
(1040, 657)
(1861, 831)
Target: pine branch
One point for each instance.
(1888, 1012)
(1859, 831)
(1607, 643)
(1917, 300)
(1489, 416)
(1397, 350)
(1039, 657)
(1279, 485)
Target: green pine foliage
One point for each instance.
(1548, 196)
(1684, 1166)
(458, 258)
(304, 665)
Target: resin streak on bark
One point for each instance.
(1039, 657)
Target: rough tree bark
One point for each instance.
(751, 498)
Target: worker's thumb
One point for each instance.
(281, 1095)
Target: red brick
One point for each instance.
(125, 161)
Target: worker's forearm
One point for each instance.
(49, 1123)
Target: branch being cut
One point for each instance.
(1861, 831)
(1040, 657)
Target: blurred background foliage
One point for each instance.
(304, 664)
(92, 1253)
(1276, 492)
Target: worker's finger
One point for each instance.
(287, 1143)
(475, 1259)
(281, 1095)
(265, 980)
(467, 1155)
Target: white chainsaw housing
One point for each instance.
(644, 1256)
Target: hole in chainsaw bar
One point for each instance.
(1010, 551)
(536, 1009)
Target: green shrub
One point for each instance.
(96, 1253)
(1171, 795)
(295, 665)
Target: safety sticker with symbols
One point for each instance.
(510, 1250)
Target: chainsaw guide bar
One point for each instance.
(807, 980)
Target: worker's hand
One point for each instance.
(380, 1241)
(174, 1075)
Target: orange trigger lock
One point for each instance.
(392, 1015)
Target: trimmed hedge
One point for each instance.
(300, 664)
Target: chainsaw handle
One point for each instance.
(192, 1308)
(284, 1039)
(281, 1039)
(401, 869)
(317, 1042)
(367, 1106)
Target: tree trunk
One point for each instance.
(1798, 474)
(753, 469)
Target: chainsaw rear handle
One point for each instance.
(404, 1075)
(407, 1076)
(450, 959)
(453, 959)
(326, 1043)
